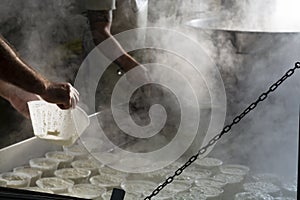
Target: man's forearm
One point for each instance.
(5, 89)
(125, 61)
(15, 71)
(100, 27)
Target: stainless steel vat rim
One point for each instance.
(206, 24)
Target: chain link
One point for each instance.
(226, 129)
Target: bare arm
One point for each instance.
(100, 25)
(17, 97)
(16, 72)
(5, 89)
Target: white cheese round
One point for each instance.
(75, 174)
(55, 184)
(16, 179)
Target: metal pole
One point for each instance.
(117, 194)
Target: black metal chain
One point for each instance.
(226, 129)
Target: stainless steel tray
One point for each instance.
(20, 153)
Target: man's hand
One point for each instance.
(16, 75)
(62, 94)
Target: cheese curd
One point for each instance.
(77, 151)
(155, 176)
(128, 196)
(209, 162)
(196, 172)
(75, 174)
(164, 194)
(34, 174)
(253, 196)
(55, 184)
(210, 182)
(262, 187)
(267, 177)
(16, 179)
(188, 196)
(46, 165)
(138, 186)
(209, 192)
(183, 177)
(229, 178)
(234, 169)
(86, 164)
(290, 189)
(112, 172)
(87, 191)
(105, 180)
(178, 186)
(38, 189)
(61, 157)
(3, 183)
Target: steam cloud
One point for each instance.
(47, 36)
(266, 140)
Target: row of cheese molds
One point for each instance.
(73, 172)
